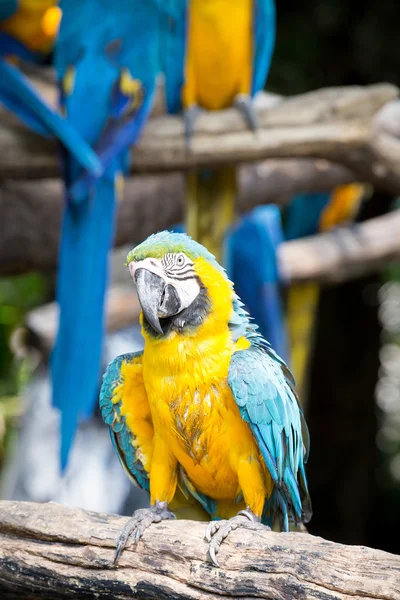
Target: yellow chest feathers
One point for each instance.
(195, 414)
(220, 49)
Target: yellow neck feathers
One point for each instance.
(203, 353)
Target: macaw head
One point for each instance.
(180, 285)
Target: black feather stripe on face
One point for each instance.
(177, 264)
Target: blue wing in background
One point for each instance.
(173, 25)
(264, 35)
(251, 261)
(107, 61)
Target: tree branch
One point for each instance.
(344, 253)
(49, 551)
(31, 210)
(336, 124)
(313, 142)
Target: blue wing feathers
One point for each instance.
(120, 52)
(173, 44)
(122, 437)
(251, 251)
(263, 389)
(264, 36)
(18, 95)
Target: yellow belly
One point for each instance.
(208, 437)
(220, 49)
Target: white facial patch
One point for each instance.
(185, 282)
(188, 290)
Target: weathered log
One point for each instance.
(31, 210)
(337, 124)
(344, 253)
(49, 551)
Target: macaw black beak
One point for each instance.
(157, 299)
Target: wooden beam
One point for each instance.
(50, 551)
(336, 124)
(31, 210)
(344, 253)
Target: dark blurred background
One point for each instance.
(354, 391)
(334, 42)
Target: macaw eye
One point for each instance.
(180, 260)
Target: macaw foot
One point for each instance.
(189, 121)
(244, 104)
(218, 531)
(139, 522)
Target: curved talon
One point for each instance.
(211, 529)
(139, 522)
(244, 104)
(217, 531)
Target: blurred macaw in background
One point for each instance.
(306, 215)
(28, 27)
(27, 30)
(206, 67)
(215, 54)
(107, 60)
(205, 378)
(251, 263)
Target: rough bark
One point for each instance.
(343, 125)
(31, 216)
(49, 551)
(31, 210)
(344, 253)
(313, 142)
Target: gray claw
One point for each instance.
(211, 529)
(213, 555)
(218, 531)
(244, 104)
(139, 522)
(189, 120)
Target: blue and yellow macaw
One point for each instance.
(306, 215)
(107, 60)
(207, 408)
(28, 27)
(215, 54)
(22, 37)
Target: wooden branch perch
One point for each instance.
(337, 124)
(313, 142)
(49, 551)
(31, 210)
(343, 253)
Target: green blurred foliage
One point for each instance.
(17, 295)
